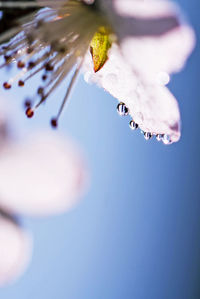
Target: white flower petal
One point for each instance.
(45, 175)
(15, 250)
(152, 37)
(151, 106)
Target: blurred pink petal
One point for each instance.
(15, 250)
(151, 105)
(44, 175)
(152, 35)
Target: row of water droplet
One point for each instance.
(123, 111)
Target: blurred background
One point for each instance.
(136, 233)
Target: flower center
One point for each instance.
(52, 43)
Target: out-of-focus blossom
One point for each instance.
(135, 46)
(15, 250)
(42, 175)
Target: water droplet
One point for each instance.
(147, 135)
(122, 109)
(163, 78)
(133, 125)
(159, 137)
(166, 139)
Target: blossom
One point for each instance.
(41, 174)
(15, 249)
(135, 46)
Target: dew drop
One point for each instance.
(166, 139)
(163, 78)
(122, 109)
(133, 125)
(159, 137)
(147, 135)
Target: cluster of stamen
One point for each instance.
(52, 44)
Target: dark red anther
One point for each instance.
(44, 77)
(31, 65)
(54, 122)
(29, 50)
(27, 103)
(40, 90)
(7, 58)
(29, 112)
(48, 67)
(20, 64)
(20, 83)
(6, 85)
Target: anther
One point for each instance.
(20, 64)
(8, 58)
(39, 24)
(6, 85)
(54, 123)
(44, 77)
(29, 112)
(30, 39)
(40, 90)
(48, 67)
(27, 103)
(31, 65)
(20, 83)
(29, 50)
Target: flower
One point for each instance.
(43, 175)
(40, 175)
(135, 45)
(15, 249)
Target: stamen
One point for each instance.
(29, 112)
(53, 40)
(54, 121)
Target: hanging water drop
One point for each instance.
(147, 135)
(122, 109)
(133, 125)
(166, 139)
(159, 137)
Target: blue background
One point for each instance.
(136, 232)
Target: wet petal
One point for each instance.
(44, 175)
(151, 105)
(152, 36)
(15, 250)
